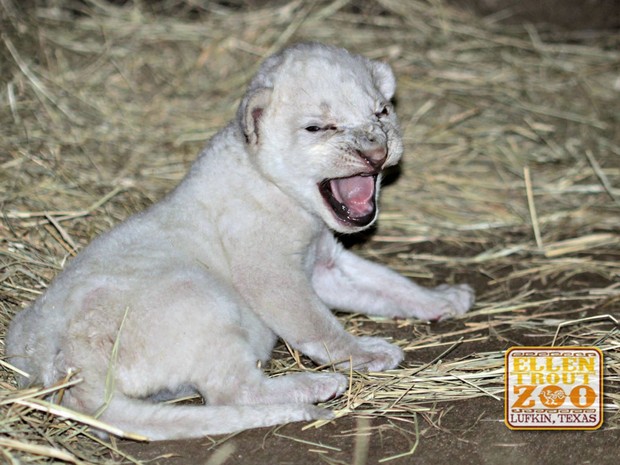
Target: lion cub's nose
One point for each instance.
(374, 156)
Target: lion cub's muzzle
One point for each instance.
(353, 199)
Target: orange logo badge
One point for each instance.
(554, 388)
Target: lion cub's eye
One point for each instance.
(313, 128)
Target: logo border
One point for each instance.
(557, 428)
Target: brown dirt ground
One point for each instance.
(471, 433)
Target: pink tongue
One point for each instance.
(356, 193)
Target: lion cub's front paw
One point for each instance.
(452, 300)
(375, 354)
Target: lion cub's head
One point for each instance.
(319, 124)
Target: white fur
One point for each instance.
(197, 288)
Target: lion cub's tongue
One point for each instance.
(356, 193)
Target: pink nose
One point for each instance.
(375, 156)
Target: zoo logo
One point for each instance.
(554, 388)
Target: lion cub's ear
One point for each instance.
(250, 112)
(384, 77)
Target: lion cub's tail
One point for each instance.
(163, 421)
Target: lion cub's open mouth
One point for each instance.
(352, 199)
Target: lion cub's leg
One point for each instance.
(213, 343)
(296, 388)
(185, 330)
(348, 282)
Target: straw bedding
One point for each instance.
(511, 178)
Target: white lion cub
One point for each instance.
(195, 290)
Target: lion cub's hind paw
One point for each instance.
(308, 387)
(328, 386)
(375, 354)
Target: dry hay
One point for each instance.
(510, 179)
